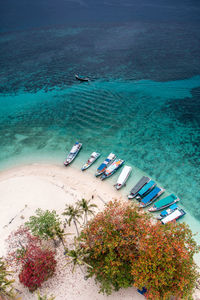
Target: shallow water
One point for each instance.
(152, 125)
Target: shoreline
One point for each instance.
(25, 188)
(52, 181)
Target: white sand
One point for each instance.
(24, 189)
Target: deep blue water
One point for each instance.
(143, 101)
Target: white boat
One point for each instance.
(123, 177)
(167, 212)
(175, 215)
(101, 169)
(91, 160)
(73, 153)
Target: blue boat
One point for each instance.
(168, 211)
(101, 169)
(173, 216)
(165, 202)
(152, 196)
(145, 189)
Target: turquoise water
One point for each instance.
(144, 122)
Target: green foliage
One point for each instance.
(87, 208)
(76, 256)
(44, 297)
(74, 213)
(6, 289)
(125, 248)
(46, 224)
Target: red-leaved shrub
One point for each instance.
(38, 265)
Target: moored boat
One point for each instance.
(93, 157)
(73, 153)
(163, 203)
(80, 78)
(168, 211)
(145, 190)
(175, 215)
(123, 177)
(138, 186)
(152, 196)
(112, 168)
(101, 169)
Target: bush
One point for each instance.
(6, 288)
(46, 224)
(125, 248)
(27, 253)
(38, 266)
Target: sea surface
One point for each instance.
(143, 100)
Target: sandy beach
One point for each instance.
(26, 188)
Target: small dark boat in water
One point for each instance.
(82, 78)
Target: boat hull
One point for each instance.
(153, 209)
(104, 176)
(182, 213)
(68, 162)
(142, 205)
(82, 79)
(138, 186)
(119, 184)
(106, 164)
(87, 165)
(139, 198)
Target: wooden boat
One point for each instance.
(145, 190)
(168, 211)
(81, 78)
(138, 186)
(175, 215)
(101, 169)
(123, 177)
(165, 202)
(152, 196)
(93, 157)
(112, 168)
(73, 153)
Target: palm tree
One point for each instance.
(74, 214)
(87, 208)
(77, 256)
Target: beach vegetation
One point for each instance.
(87, 208)
(77, 256)
(33, 258)
(37, 266)
(125, 248)
(74, 213)
(6, 281)
(44, 297)
(46, 224)
(18, 241)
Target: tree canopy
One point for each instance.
(46, 224)
(126, 248)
